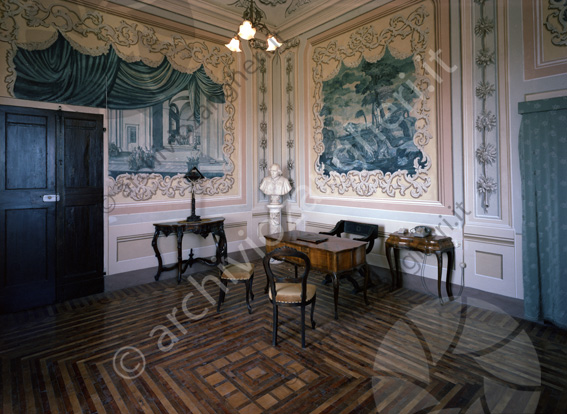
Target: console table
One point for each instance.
(203, 227)
(335, 255)
(427, 245)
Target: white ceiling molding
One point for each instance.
(226, 15)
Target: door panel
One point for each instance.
(27, 223)
(50, 251)
(80, 214)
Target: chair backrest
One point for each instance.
(369, 232)
(277, 274)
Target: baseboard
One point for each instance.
(511, 306)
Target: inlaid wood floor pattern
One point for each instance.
(163, 348)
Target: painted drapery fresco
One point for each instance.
(185, 109)
(169, 97)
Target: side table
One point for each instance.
(427, 245)
(203, 227)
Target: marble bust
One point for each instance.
(275, 185)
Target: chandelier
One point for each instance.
(252, 23)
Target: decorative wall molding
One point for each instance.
(545, 38)
(290, 121)
(265, 79)
(487, 230)
(486, 106)
(262, 124)
(486, 141)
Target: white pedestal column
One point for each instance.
(275, 209)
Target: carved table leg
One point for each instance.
(399, 281)
(179, 254)
(450, 264)
(439, 271)
(158, 254)
(221, 246)
(392, 267)
(336, 294)
(366, 281)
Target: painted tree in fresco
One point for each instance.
(376, 84)
(381, 92)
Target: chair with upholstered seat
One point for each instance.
(289, 288)
(236, 273)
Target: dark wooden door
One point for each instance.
(27, 222)
(80, 209)
(51, 213)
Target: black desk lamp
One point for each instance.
(193, 176)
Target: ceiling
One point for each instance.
(287, 18)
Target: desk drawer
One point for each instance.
(272, 245)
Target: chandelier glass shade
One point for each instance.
(234, 45)
(246, 32)
(253, 23)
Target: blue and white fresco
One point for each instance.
(367, 117)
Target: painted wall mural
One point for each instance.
(172, 136)
(368, 121)
(375, 105)
(170, 99)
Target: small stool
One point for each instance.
(237, 272)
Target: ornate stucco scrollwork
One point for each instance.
(142, 187)
(556, 22)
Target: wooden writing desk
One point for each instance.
(335, 256)
(427, 245)
(203, 227)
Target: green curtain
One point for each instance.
(543, 164)
(63, 75)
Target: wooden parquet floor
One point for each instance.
(163, 348)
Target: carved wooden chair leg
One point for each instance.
(237, 273)
(303, 326)
(275, 327)
(313, 323)
(249, 294)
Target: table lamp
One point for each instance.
(193, 175)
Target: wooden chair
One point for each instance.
(367, 232)
(237, 272)
(289, 288)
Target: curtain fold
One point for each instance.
(61, 74)
(543, 164)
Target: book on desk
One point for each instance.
(312, 238)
